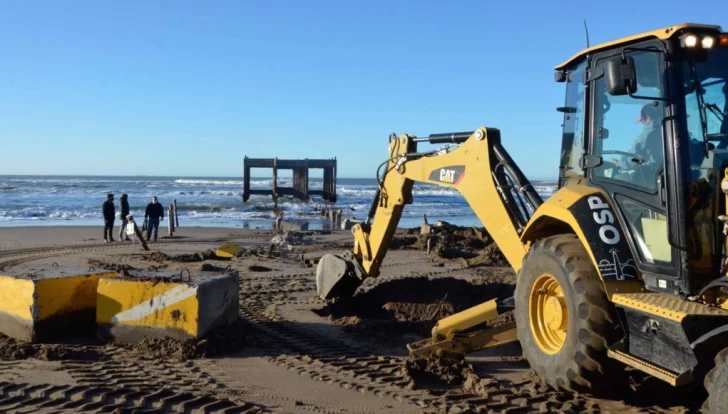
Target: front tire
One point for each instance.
(565, 321)
(716, 383)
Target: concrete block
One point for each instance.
(229, 250)
(168, 305)
(292, 226)
(425, 229)
(49, 302)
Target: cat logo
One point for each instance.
(448, 175)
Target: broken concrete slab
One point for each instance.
(292, 226)
(42, 303)
(167, 305)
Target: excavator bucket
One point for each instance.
(338, 276)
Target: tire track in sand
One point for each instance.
(45, 398)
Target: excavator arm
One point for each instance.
(476, 165)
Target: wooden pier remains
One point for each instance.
(300, 188)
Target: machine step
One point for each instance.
(664, 305)
(654, 370)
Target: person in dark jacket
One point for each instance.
(109, 214)
(154, 213)
(124, 220)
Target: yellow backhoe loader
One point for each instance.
(626, 262)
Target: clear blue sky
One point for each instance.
(189, 88)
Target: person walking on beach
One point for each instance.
(154, 213)
(109, 212)
(124, 219)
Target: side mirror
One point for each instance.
(620, 76)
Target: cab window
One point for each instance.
(573, 147)
(628, 130)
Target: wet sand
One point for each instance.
(290, 351)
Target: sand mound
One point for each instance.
(475, 245)
(421, 372)
(11, 349)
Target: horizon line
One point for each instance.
(241, 177)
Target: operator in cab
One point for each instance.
(648, 145)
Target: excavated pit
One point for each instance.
(413, 306)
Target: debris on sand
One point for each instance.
(117, 267)
(472, 244)
(160, 257)
(427, 371)
(288, 239)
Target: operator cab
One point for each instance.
(645, 120)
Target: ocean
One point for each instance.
(211, 202)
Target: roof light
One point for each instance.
(708, 42)
(689, 40)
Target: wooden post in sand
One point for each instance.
(176, 217)
(138, 233)
(170, 220)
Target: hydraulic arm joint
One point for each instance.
(479, 168)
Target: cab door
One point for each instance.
(627, 147)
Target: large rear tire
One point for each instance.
(565, 321)
(716, 383)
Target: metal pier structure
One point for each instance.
(300, 169)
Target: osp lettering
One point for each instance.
(607, 232)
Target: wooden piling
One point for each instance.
(170, 220)
(139, 235)
(275, 178)
(176, 217)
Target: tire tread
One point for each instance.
(596, 369)
(721, 363)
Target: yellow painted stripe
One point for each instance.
(67, 294)
(146, 304)
(16, 297)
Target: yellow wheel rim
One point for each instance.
(548, 314)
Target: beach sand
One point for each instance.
(290, 351)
